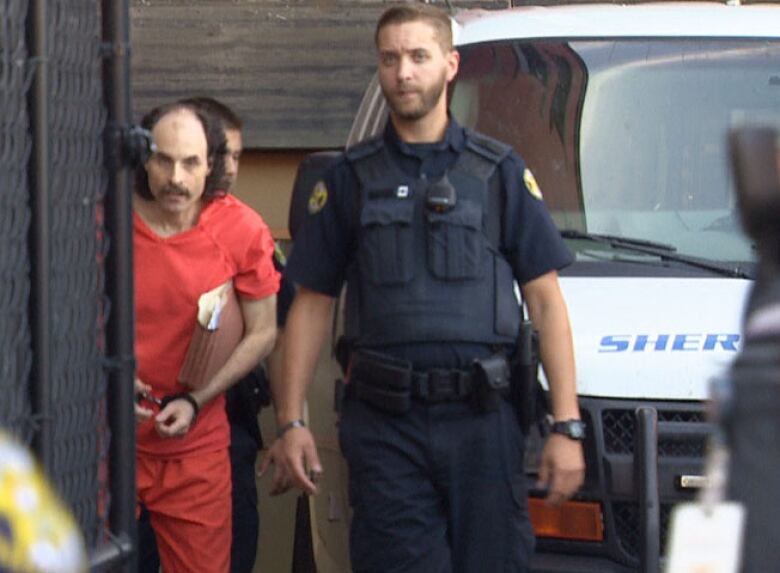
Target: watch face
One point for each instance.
(574, 429)
(577, 430)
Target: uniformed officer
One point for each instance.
(428, 225)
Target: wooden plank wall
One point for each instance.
(293, 70)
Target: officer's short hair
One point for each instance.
(217, 109)
(434, 16)
(215, 149)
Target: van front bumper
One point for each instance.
(561, 563)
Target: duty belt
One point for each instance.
(442, 385)
(390, 384)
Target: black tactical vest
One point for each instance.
(422, 275)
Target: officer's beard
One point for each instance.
(427, 101)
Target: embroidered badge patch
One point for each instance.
(531, 184)
(318, 198)
(279, 255)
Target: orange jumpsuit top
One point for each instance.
(230, 240)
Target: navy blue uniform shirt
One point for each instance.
(325, 243)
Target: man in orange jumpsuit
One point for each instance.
(189, 238)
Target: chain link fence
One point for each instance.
(78, 247)
(76, 308)
(15, 146)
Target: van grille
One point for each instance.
(620, 428)
(627, 526)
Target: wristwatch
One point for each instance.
(573, 429)
(289, 426)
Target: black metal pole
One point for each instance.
(119, 274)
(39, 173)
(753, 431)
(646, 461)
(751, 413)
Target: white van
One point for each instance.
(622, 114)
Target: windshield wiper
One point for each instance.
(616, 240)
(661, 250)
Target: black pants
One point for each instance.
(148, 558)
(246, 521)
(440, 489)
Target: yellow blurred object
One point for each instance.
(37, 532)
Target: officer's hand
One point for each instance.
(175, 419)
(298, 465)
(281, 481)
(562, 469)
(141, 412)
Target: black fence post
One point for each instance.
(119, 275)
(39, 175)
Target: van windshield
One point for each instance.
(627, 138)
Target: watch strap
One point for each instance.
(299, 423)
(567, 428)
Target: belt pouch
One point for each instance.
(492, 381)
(381, 381)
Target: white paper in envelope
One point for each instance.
(218, 331)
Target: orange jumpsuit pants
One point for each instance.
(189, 503)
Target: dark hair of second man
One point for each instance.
(215, 152)
(217, 109)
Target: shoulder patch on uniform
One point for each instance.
(279, 255)
(318, 198)
(531, 184)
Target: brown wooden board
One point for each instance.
(293, 70)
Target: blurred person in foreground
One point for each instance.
(37, 532)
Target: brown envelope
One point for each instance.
(209, 350)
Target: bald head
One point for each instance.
(182, 129)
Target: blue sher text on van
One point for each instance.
(669, 342)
